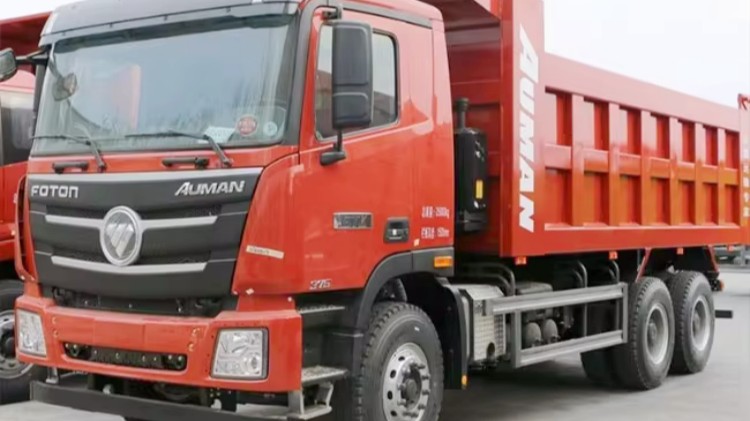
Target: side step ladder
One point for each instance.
(324, 378)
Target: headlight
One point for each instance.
(240, 354)
(30, 333)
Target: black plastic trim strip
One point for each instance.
(454, 349)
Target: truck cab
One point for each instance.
(201, 169)
(16, 123)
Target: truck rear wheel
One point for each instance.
(401, 375)
(694, 321)
(643, 361)
(15, 376)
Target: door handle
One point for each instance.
(397, 230)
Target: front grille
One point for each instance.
(76, 213)
(174, 260)
(126, 358)
(81, 255)
(191, 307)
(182, 213)
(189, 243)
(151, 214)
(154, 260)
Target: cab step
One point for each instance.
(319, 374)
(322, 377)
(320, 315)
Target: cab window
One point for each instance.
(384, 77)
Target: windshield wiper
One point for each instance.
(83, 141)
(225, 161)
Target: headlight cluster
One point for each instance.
(30, 333)
(240, 354)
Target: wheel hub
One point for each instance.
(411, 392)
(656, 334)
(8, 347)
(700, 334)
(406, 384)
(652, 332)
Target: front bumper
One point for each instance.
(194, 337)
(72, 392)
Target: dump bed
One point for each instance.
(22, 33)
(582, 159)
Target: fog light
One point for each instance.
(240, 354)
(30, 334)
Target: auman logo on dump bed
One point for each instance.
(530, 77)
(208, 189)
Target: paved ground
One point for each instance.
(560, 391)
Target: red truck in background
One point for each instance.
(16, 121)
(343, 207)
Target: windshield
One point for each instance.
(230, 81)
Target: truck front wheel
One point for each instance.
(401, 375)
(694, 321)
(14, 375)
(643, 361)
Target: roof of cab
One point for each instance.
(90, 14)
(415, 7)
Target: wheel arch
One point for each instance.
(429, 289)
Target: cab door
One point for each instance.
(359, 210)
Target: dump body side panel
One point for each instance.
(585, 160)
(629, 165)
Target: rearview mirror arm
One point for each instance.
(337, 153)
(37, 58)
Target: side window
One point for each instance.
(384, 77)
(16, 118)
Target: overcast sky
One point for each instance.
(701, 47)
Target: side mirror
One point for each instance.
(352, 75)
(351, 81)
(8, 64)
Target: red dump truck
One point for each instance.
(16, 120)
(344, 207)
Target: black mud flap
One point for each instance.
(724, 314)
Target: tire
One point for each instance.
(693, 303)
(643, 362)
(14, 378)
(599, 365)
(398, 333)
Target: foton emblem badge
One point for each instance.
(121, 236)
